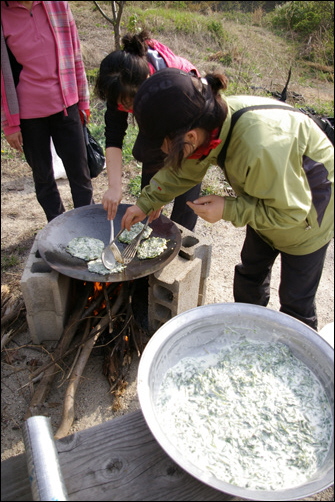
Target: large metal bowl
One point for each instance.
(189, 333)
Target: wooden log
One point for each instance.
(68, 407)
(118, 460)
(44, 386)
(86, 349)
(6, 337)
(13, 313)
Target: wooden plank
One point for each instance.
(14, 479)
(118, 460)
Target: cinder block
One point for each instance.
(46, 296)
(45, 326)
(180, 285)
(173, 290)
(193, 246)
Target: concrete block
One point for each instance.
(44, 289)
(45, 294)
(180, 285)
(173, 290)
(45, 325)
(194, 246)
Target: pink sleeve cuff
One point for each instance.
(11, 130)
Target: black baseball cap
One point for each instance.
(167, 102)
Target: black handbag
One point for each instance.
(95, 154)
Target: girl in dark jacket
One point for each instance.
(120, 75)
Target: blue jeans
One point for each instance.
(67, 135)
(299, 281)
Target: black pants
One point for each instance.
(152, 162)
(67, 135)
(299, 280)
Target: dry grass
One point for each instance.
(251, 55)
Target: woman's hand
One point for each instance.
(134, 214)
(154, 215)
(209, 208)
(15, 141)
(111, 200)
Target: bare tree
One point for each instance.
(115, 20)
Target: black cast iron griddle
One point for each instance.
(91, 221)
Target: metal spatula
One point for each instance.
(111, 253)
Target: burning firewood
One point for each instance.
(86, 349)
(110, 326)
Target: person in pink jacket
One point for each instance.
(44, 95)
(120, 75)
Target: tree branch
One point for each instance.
(110, 20)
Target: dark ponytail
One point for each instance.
(136, 44)
(122, 72)
(217, 81)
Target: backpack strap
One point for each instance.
(222, 155)
(326, 124)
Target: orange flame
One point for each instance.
(97, 288)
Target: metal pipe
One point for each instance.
(44, 471)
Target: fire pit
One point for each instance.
(65, 302)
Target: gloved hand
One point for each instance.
(84, 116)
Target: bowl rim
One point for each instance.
(159, 339)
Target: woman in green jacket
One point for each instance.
(279, 164)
